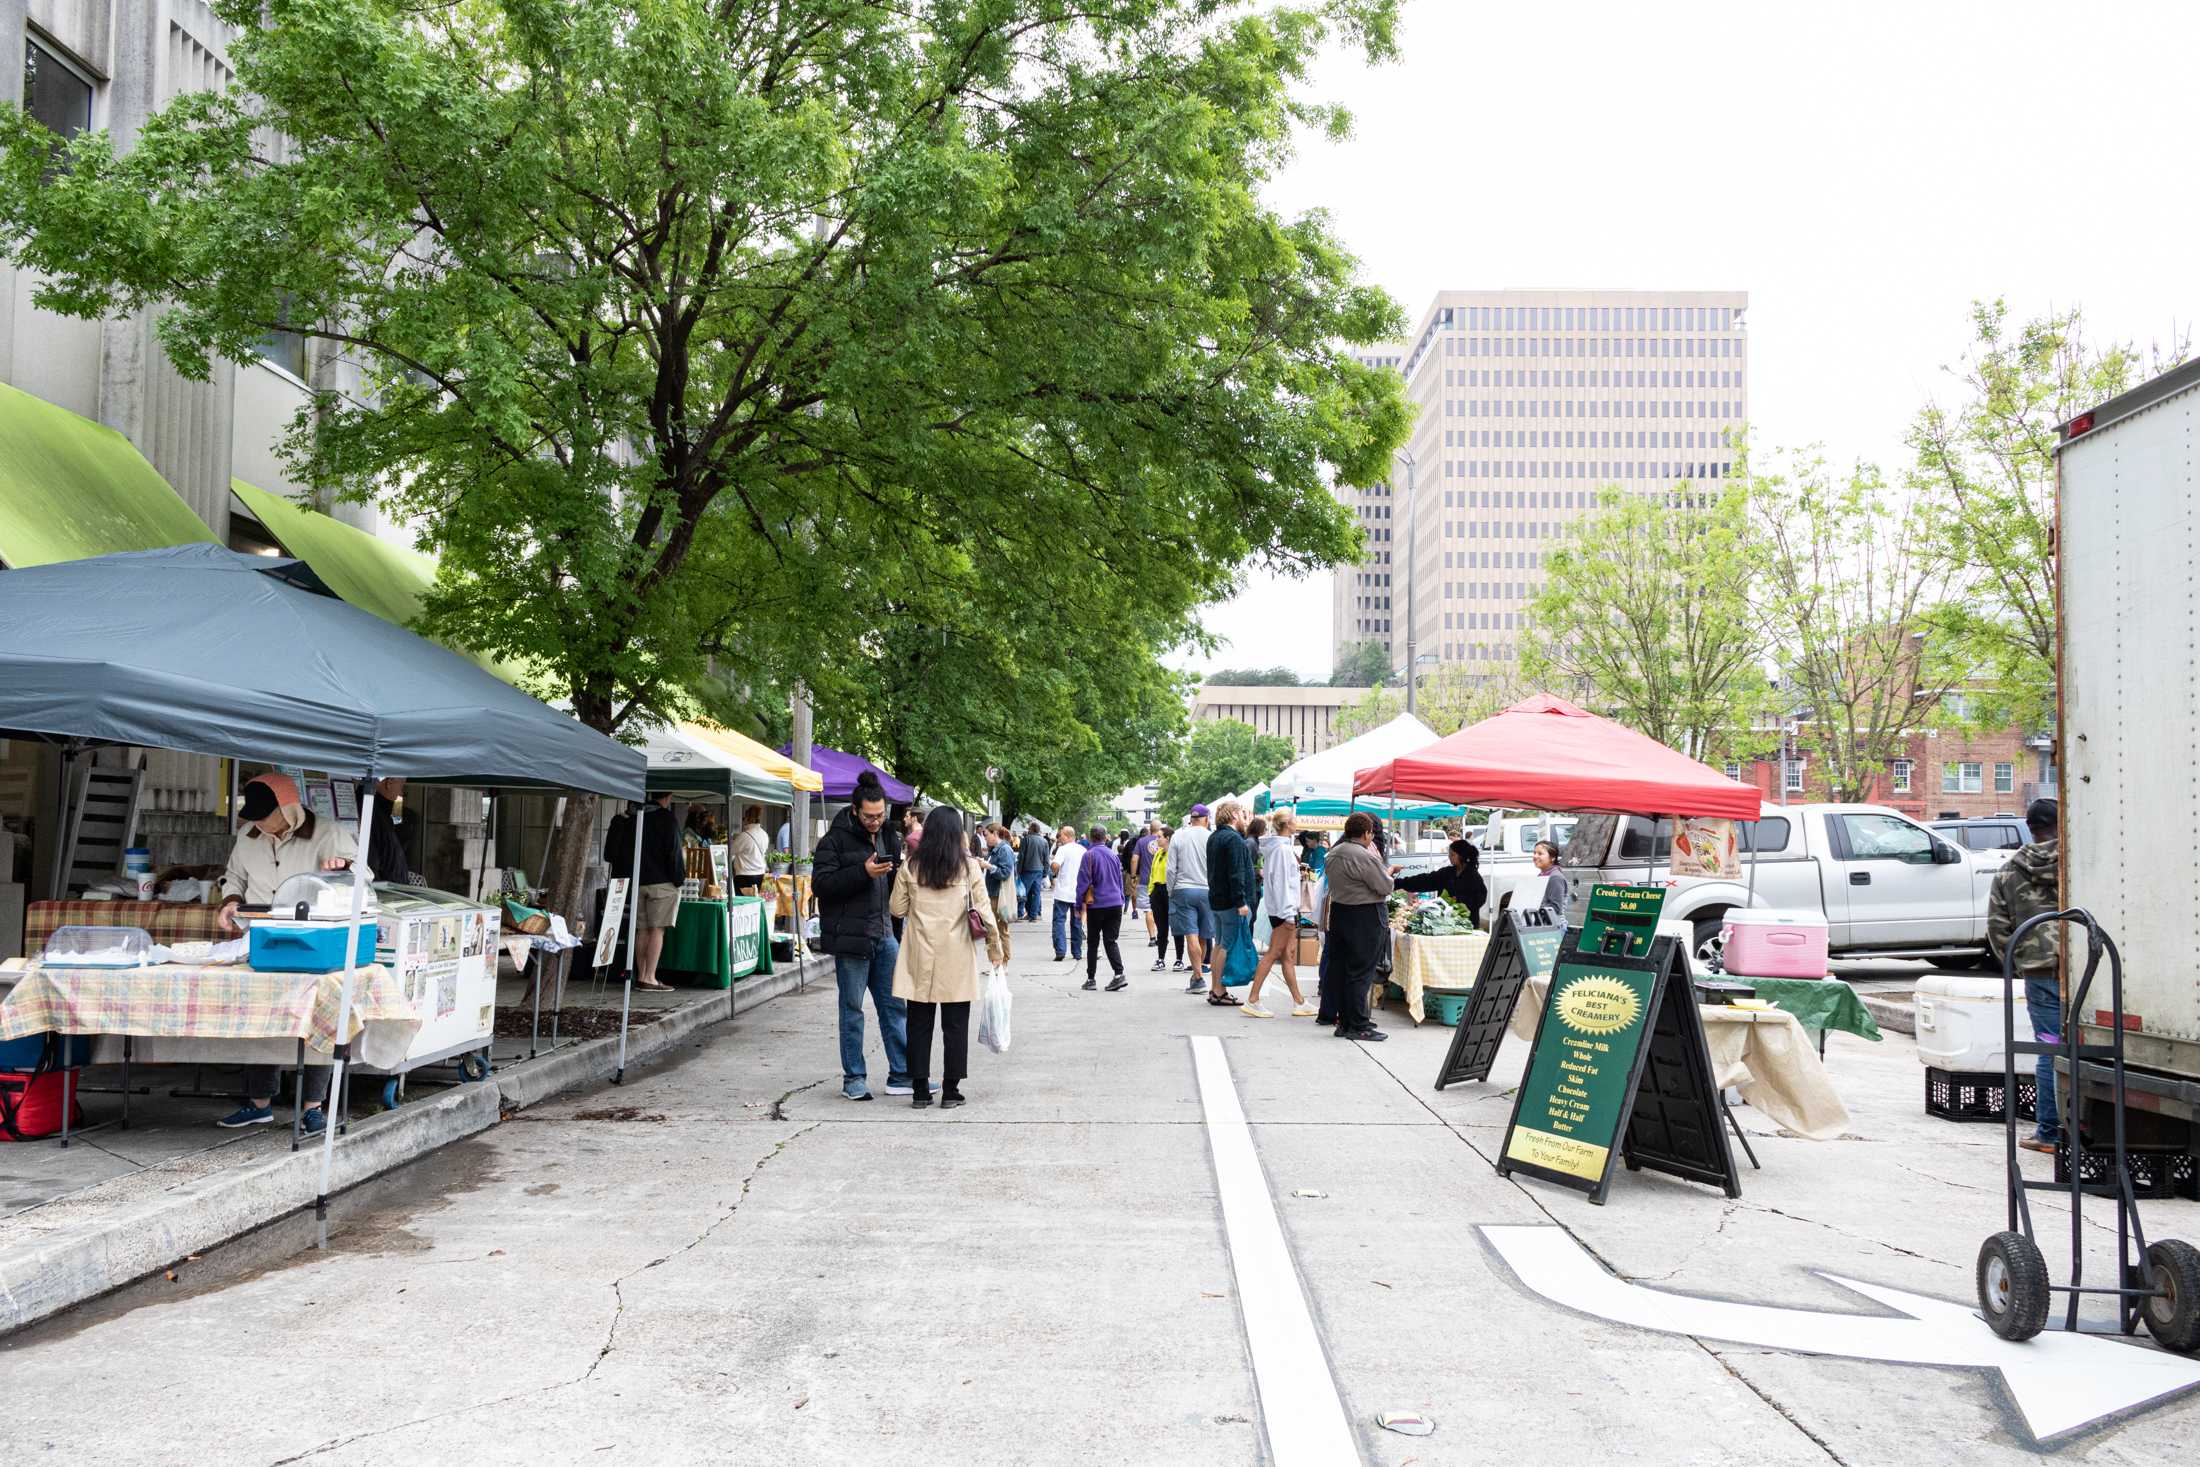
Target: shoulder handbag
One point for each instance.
(970, 916)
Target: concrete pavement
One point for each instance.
(724, 1262)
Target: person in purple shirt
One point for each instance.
(1100, 893)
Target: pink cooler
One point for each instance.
(1775, 945)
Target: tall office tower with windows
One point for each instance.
(1364, 611)
(1532, 403)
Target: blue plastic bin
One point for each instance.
(306, 947)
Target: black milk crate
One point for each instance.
(1975, 1095)
(2156, 1172)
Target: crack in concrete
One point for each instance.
(1765, 1396)
(610, 1336)
(779, 1111)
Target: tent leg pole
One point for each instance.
(343, 1011)
(633, 938)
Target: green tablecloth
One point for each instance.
(695, 947)
(1818, 1003)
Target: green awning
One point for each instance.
(72, 488)
(368, 571)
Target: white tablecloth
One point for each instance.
(1766, 1054)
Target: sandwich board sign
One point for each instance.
(1524, 945)
(1619, 1071)
(1621, 920)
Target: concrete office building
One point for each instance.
(1532, 402)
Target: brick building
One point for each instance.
(1943, 773)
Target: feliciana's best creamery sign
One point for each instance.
(1575, 1097)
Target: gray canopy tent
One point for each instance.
(210, 651)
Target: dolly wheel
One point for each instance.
(2173, 1315)
(473, 1067)
(2012, 1286)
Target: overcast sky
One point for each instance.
(1864, 171)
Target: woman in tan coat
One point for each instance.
(937, 891)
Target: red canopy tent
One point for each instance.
(1545, 754)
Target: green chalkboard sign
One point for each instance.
(1524, 945)
(1622, 920)
(1619, 1069)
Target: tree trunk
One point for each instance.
(569, 859)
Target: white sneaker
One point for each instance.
(1252, 1013)
(1305, 1011)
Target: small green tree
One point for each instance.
(1848, 587)
(1646, 615)
(1371, 710)
(1459, 693)
(1362, 665)
(1221, 757)
(1986, 462)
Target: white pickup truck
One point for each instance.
(1888, 886)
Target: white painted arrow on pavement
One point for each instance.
(2060, 1382)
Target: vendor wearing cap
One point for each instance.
(281, 839)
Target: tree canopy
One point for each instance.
(1647, 615)
(716, 348)
(1362, 665)
(1253, 677)
(1221, 757)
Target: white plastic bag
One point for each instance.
(993, 1012)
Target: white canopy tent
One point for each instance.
(1321, 784)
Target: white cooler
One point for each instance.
(1959, 1024)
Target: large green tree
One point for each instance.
(695, 334)
(1985, 461)
(1221, 757)
(1647, 617)
(1362, 665)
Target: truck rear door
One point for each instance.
(1901, 890)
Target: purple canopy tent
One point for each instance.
(841, 771)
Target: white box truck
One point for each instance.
(2127, 544)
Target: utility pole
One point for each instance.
(799, 835)
(1413, 575)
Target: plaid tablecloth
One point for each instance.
(1434, 962)
(169, 922)
(175, 1001)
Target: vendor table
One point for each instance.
(696, 948)
(1448, 963)
(174, 1003)
(1763, 1053)
(168, 922)
(1818, 1004)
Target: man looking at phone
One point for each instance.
(853, 878)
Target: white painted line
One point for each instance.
(2060, 1382)
(1300, 1409)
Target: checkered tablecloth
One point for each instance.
(1434, 962)
(169, 922)
(176, 1001)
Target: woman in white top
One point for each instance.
(1279, 898)
(749, 852)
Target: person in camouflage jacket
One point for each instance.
(2026, 887)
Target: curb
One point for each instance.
(1899, 1015)
(173, 1220)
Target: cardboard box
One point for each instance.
(1310, 948)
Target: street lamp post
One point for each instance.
(1413, 645)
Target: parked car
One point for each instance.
(1995, 835)
(1886, 885)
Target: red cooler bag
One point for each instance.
(30, 1105)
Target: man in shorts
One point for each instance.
(1191, 915)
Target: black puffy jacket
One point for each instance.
(849, 898)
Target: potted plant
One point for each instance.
(776, 862)
(802, 865)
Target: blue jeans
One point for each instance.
(875, 973)
(1027, 895)
(1065, 917)
(2043, 1000)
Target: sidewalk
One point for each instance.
(120, 1205)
